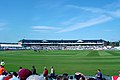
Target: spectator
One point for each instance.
(2, 76)
(35, 77)
(24, 73)
(2, 63)
(79, 76)
(52, 72)
(14, 76)
(99, 75)
(59, 77)
(45, 72)
(71, 78)
(65, 76)
(33, 70)
(20, 69)
(9, 75)
(2, 70)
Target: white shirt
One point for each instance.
(1, 77)
(52, 70)
(118, 78)
(2, 63)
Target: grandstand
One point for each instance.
(63, 44)
(10, 46)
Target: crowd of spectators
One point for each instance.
(37, 48)
(26, 74)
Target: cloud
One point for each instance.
(44, 28)
(112, 9)
(105, 11)
(90, 9)
(91, 22)
(93, 16)
(70, 21)
(102, 15)
(113, 13)
(40, 31)
(113, 5)
(93, 10)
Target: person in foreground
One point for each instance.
(14, 76)
(99, 75)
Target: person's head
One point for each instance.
(51, 66)
(15, 74)
(4, 73)
(45, 67)
(71, 77)
(77, 76)
(59, 77)
(20, 68)
(33, 66)
(10, 75)
(99, 70)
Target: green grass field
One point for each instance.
(84, 61)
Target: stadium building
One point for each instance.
(63, 44)
(10, 46)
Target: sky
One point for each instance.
(59, 19)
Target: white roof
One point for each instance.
(10, 45)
